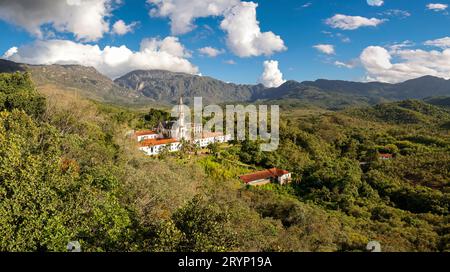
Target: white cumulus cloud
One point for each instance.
(86, 19)
(325, 48)
(376, 58)
(437, 6)
(272, 76)
(376, 3)
(10, 52)
(442, 43)
(244, 35)
(245, 38)
(411, 63)
(210, 51)
(346, 22)
(166, 54)
(182, 13)
(121, 28)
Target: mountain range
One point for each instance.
(157, 87)
(86, 81)
(168, 86)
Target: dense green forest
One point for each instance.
(67, 172)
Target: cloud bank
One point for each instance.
(379, 64)
(442, 43)
(166, 54)
(85, 19)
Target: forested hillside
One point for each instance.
(67, 172)
(79, 80)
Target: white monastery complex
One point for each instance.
(170, 135)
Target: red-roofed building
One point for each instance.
(145, 135)
(154, 146)
(273, 175)
(383, 156)
(156, 142)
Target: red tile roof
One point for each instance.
(386, 156)
(144, 132)
(265, 174)
(155, 142)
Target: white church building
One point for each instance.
(169, 135)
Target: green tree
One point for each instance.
(214, 149)
(17, 92)
(45, 202)
(202, 225)
(154, 117)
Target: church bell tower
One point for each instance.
(182, 130)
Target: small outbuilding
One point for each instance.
(273, 175)
(385, 157)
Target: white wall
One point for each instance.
(155, 150)
(147, 137)
(285, 179)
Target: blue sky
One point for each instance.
(300, 24)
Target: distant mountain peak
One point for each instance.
(166, 86)
(142, 86)
(426, 78)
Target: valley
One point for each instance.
(67, 167)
